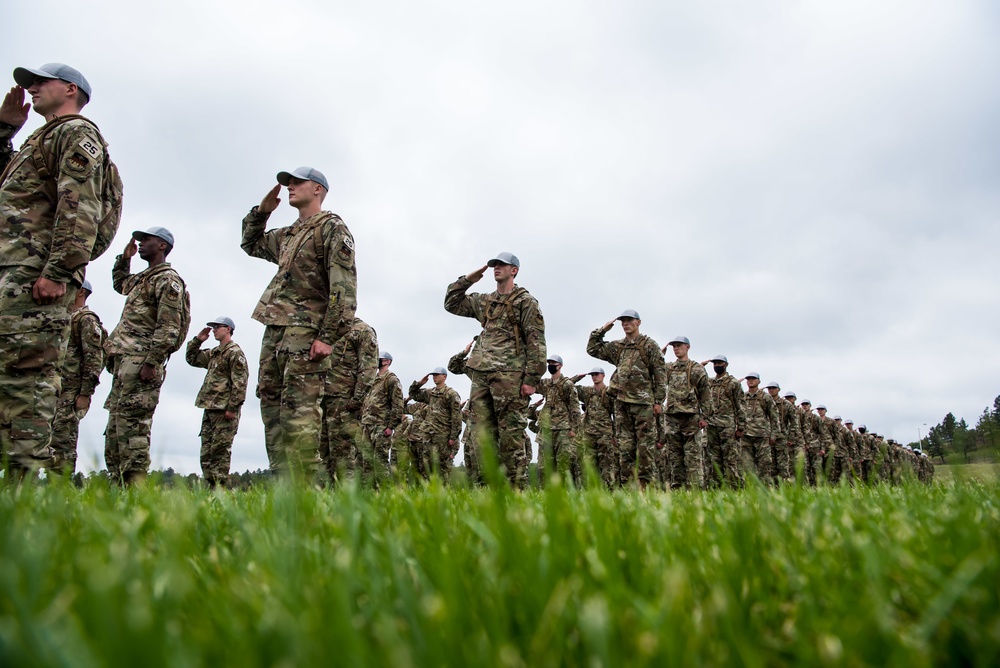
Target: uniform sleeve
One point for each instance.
(368, 366)
(169, 302)
(794, 433)
(79, 206)
(455, 410)
(194, 355)
(772, 415)
(239, 378)
(122, 279)
(92, 359)
(419, 395)
(457, 302)
(342, 279)
(395, 391)
(456, 364)
(598, 348)
(572, 407)
(739, 405)
(658, 368)
(7, 151)
(704, 391)
(256, 242)
(533, 331)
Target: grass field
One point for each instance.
(905, 576)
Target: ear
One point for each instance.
(514, 270)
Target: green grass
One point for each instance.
(905, 576)
(983, 472)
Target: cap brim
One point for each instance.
(284, 178)
(139, 235)
(25, 76)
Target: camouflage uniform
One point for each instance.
(723, 452)
(409, 437)
(560, 417)
(224, 389)
(442, 423)
(49, 230)
(470, 447)
(510, 353)
(689, 399)
(789, 445)
(351, 376)
(761, 428)
(866, 451)
(811, 425)
(80, 375)
(382, 409)
(156, 307)
(638, 383)
(312, 296)
(828, 438)
(599, 430)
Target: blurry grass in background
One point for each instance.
(906, 576)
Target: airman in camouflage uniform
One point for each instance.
(639, 388)
(221, 396)
(407, 439)
(437, 442)
(828, 437)
(852, 442)
(788, 444)
(51, 206)
(354, 367)
(307, 308)
(811, 425)
(470, 447)
(153, 325)
(382, 416)
(561, 423)
(80, 374)
(761, 432)
(689, 408)
(508, 362)
(599, 427)
(725, 427)
(866, 451)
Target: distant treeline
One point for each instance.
(954, 436)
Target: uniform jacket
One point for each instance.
(354, 363)
(562, 407)
(640, 374)
(225, 385)
(81, 371)
(316, 285)
(152, 317)
(444, 411)
(727, 400)
(688, 389)
(762, 415)
(56, 238)
(383, 405)
(598, 413)
(513, 336)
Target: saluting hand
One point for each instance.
(131, 248)
(423, 381)
(203, 334)
(468, 348)
(271, 200)
(13, 110)
(477, 274)
(608, 325)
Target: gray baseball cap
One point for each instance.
(159, 232)
(680, 339)
(87, 286)
(596, 369)
(772, 383)
(385, 355)
(861, 426)
(629, 313)
(753, 374)
(504, 258)
(719, 358)
(304, 173)
(837, 417)
(439, 371)
(789, 394)
(223, 320)
(848, 421)
(554, 358)
(806, 401)
(821, 407)
(25, 76)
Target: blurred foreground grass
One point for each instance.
(904, 576)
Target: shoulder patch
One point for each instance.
(90, 147)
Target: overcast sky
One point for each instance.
(809, 188)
